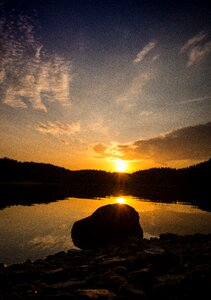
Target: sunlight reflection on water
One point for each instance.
(121, 200)
(42, 229)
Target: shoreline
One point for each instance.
(169, 267)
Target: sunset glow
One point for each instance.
(121, 165)
(83, 86)
(105, 139)
(121, 200)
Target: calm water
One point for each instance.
(42, 229)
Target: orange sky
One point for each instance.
(85, 86)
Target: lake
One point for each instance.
(42, 229)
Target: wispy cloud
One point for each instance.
(155, 57)
(28, 75)
(195, 141)
(198, 53)
(196, 48)
(97, 125)
(198, 99)
(134, 89)
(145, 114)
(58, 129)
(144, 52)
(193, 41)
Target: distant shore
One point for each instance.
(28, 193)
(28, 183)
(159, 268)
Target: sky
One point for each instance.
(105, 85)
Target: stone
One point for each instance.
(112, 262)
(3, 265)
(96, 294)
(145, 272)
(68, 285)
(131, 292)
(55, 275)
(143, 277)
(113, 281)
(166, 290)
(109, 224)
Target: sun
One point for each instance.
(121, 165)
(121, 200)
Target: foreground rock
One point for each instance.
(109, 224)
(171, 267)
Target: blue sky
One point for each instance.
(86, 83)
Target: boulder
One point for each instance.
(109, 224)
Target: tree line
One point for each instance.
(29, 179)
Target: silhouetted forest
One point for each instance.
(29, 182)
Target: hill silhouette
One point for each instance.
(29, 182)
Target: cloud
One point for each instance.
(100, 149)
(193, 41)
(189, 143)
(135, 88)
(58, 129)
(155, 57)
(196, 48)
(145, 114)
(198, 99)
(105, 151)
(28, 75)
(144, 52)
(198, 53)
(139, 82)
(97, 125)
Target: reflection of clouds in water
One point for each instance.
(49, 241)
(63, 226)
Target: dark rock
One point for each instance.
(120, 270)
(2, 266)
(114, 261)
(171, 268)
(95, 281)
(109, 224)
(131, 292)
(11, 296)
(113, 281)
(68, 285)
(167, 290)
(96, 294)
(61, 296)
(53, 276)
(144, 277)
(137, 260)
(168, 236)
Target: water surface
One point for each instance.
(39, 230)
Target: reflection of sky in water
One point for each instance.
(42, 229)
(48, 242)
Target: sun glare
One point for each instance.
(121, 165)
(121, 200)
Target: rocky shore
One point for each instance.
(169, 267)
